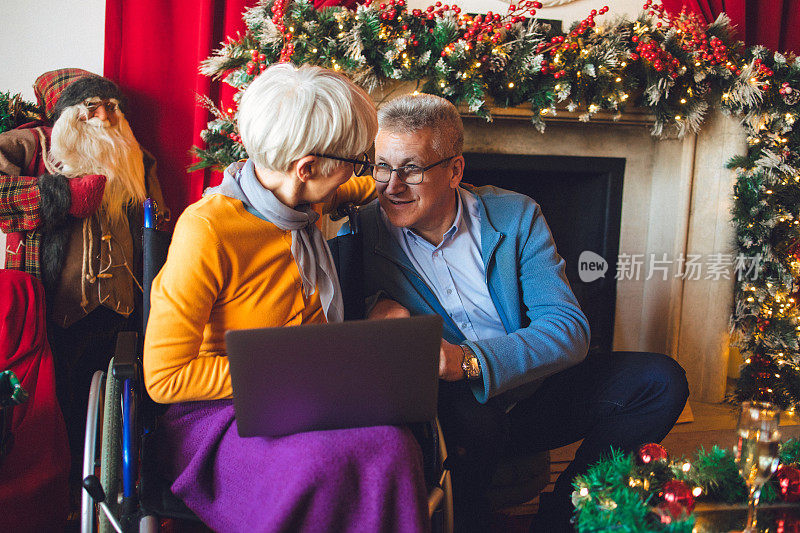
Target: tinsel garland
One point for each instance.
(14, 111)
(622, 493)
(676, 68)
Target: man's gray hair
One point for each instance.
(414, 112)
(289, 112)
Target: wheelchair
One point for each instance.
(124, 488)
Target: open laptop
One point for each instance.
(332, 376)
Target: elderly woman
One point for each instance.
(248, 255)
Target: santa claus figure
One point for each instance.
(71, 203)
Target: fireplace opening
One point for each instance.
(581, 199)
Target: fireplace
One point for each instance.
(581, 199)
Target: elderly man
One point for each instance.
(513, 365)
(71, 202)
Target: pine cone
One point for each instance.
(497, 63)
(702, 89)
(792, 98)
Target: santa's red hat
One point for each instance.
(58, 89)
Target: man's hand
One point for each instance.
(450, 357)
(386, 308)
(86, 193)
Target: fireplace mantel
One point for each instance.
(631, 116)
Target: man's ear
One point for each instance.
(304, 168)
(458, 171)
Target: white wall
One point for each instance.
(42, 35)
(569, 11)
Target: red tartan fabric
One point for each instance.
(33, 477)
(48, 86)
(20, 216)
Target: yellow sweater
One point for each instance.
(226, 269)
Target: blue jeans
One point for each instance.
(622, 399)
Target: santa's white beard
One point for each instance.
(79, 147)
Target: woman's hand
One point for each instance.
(386, 308)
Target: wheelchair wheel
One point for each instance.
(102, 449)
(111, 449)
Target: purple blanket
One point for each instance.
(363, 479)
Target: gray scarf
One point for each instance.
(309, 249)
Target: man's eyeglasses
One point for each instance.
(408, 174)
(360, 166)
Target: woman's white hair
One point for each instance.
(414, 112)
(289, 112)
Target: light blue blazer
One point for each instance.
(546, 330)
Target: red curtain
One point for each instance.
(771, 23)
(153, 50)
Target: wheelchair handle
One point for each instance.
(149, 213)
(93, 486)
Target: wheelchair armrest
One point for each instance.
(126, 364)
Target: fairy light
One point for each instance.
(291, 28)
(686, 467)
(313, 50)
(697, 491)
(619, 79)
(683, 100)
(584, 491)
(593, 108)
(511, 85)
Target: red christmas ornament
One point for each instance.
(669, 512)
(787, 522)
(650, 453)
(788, 483)
(677, 491)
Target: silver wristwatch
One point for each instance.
(470, 364)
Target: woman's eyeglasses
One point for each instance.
(360, 166)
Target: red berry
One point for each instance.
(414, 43)
(438, 4)
(429, 9)
(593, 12)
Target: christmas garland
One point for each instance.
(676, 68)
(647, 491)
(14, 111)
